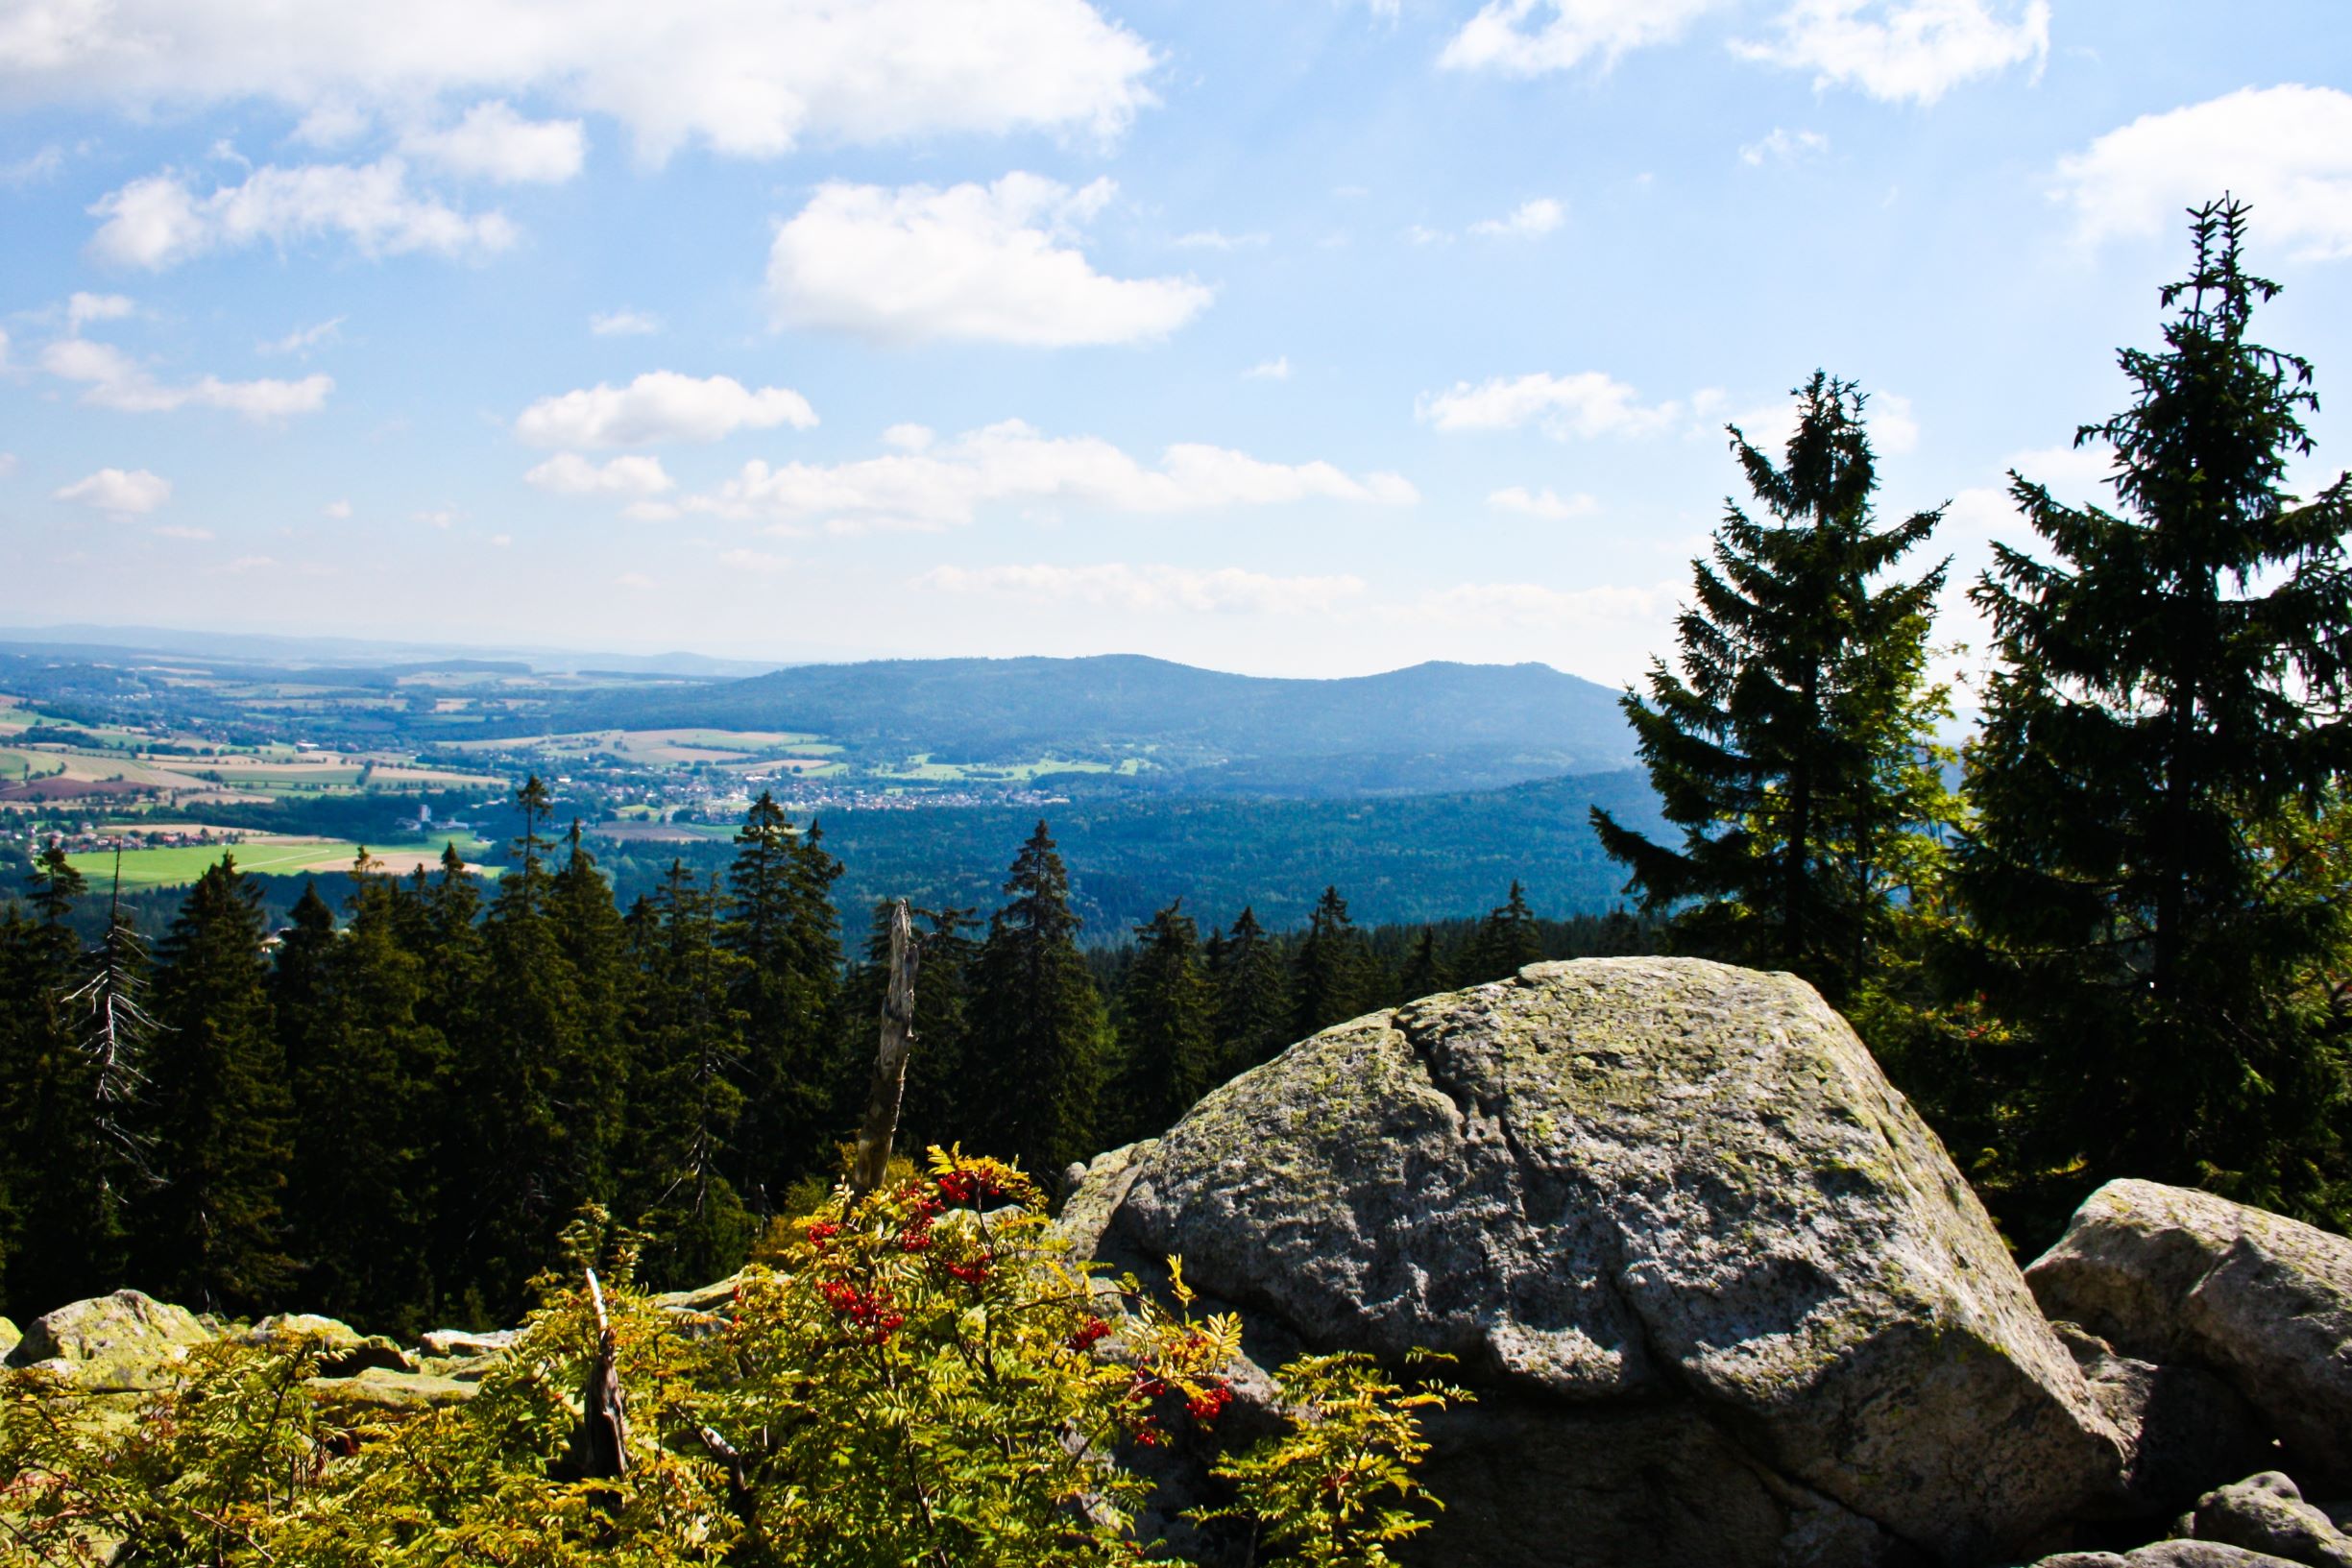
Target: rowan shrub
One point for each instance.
(921, 1376)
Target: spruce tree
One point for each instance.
(1507, 940)
(523, 1178)
(1038, 1021)
(592, 1075)
(369, 1087)
(211, 1233)
(1166, 1029)
(1794, 747)
(2163, 734)
(67, 1151)
(1254, 995)
(780, 920)
(1332, 975)
(1426, 973)
(686, 1104)
(301, 982)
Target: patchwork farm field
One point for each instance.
(275, 855)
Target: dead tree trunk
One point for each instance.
(881, 1124)
(602, 1447)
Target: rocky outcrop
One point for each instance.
(10, 1336)
(2266, 1513)
(342, 1350)
(1725, 1290)
(2173, 1277)
(112, 1344)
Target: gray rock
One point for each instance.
(2082, 1559)
(9, 1336)
(2185, 1428)
(1671, 1208)
(112, 1344)
(2171, 1275)
(2200, 1555)
(2267, 1513)
(343, 1351)
(459, 1344)
(379, 1390)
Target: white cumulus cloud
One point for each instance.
(624, 324)
(660, 405)
(492, 143)
(112, 490)
(337, 509)
(119, 382)
(1528, 38)
(2287, 150)
(1779, 146)
(569, 474)
(1546, 503)
(1146, 589)
(745, 77)
(1590, 403)
(945, 484)
(1276, 369)
(993, 263)
(761, 561)
(82, 308)
(1539, 216)
(1906, 50)
(160, 220)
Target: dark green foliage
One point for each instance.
(215, 1113)
(1254, 995)
(369, 1077)
(65, 1157)
(2155, 781)
(1037, 1023)
(1426, 973)
(1507, 941)
(1333, 975)
(781, 922)
(686, 1103)
(1792, 747)
(1166, 1027)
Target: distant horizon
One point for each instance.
(67, 634)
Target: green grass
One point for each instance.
(178, 866)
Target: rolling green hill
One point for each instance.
(1433, 727)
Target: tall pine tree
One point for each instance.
(780, 920)
(686, 1103)
(1254, 995)
(1793, 748)
(211, 1232)
(1038, 1021)
(1166, 1029)
(2163, 733)
(1507, 940)
(1332, 973)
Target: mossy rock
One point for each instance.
(1632, 1184)
(112, 1344)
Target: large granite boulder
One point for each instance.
(1729, 1298)
(112, 1344)
(2173, 1275)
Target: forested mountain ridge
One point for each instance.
(1429, 726)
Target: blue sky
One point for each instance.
(1303, 337)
